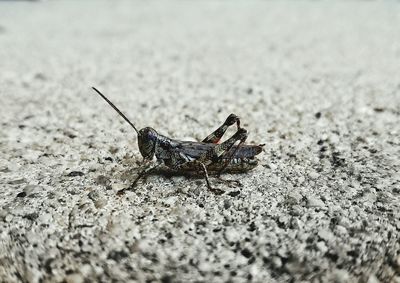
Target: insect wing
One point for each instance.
(247, 151)
(195, 149)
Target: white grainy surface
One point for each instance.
(318, 82)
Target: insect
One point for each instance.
(195, 158)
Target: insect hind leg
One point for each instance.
(241, 137)
(213, 155)
(216, 136)
(220, 150)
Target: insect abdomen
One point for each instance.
(235, 165)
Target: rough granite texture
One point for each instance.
(318, 82)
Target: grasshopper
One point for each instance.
(195, 158)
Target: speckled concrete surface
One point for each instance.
(318, 82)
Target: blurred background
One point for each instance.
(317, 81)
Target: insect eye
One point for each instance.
(151, 134)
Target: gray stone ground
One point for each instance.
(318, 82)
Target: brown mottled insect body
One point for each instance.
(206, 157)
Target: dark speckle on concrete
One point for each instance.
(75, 174)
(21, 195)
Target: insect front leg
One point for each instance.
(216, 136)
(147, 168)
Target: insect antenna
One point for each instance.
(116, 109)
